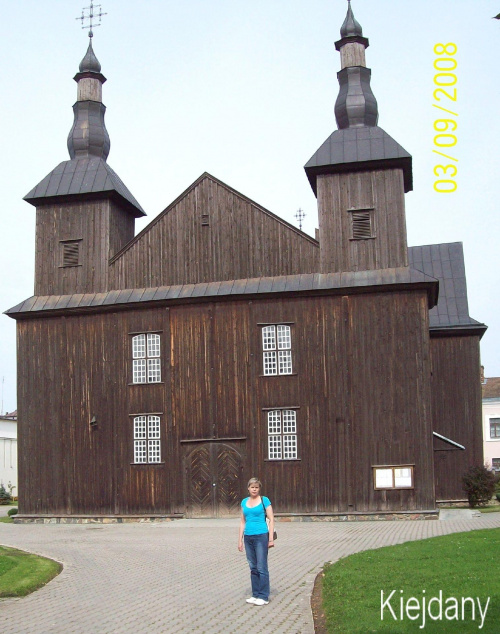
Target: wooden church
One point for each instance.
(157, 372)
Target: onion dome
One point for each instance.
(90, 63)
(351, 26)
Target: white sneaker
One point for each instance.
(252, 600)
(260, 602)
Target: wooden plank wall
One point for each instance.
(102, 227)
(381, 190)
(212, 234)
(456, 411)
(360, 383)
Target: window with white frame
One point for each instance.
(147, 439)
(494, 428)
(495, 464)
(277, 349)
(282, 434)
(146, 361)
(397, 477)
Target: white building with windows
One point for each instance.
(491, 422)
(8, 451)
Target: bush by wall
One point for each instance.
(479, 484)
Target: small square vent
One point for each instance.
(362, 224)
(70, 253)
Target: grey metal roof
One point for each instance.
(87, 175)
(364, 147)
(311, 283)
(446, 263)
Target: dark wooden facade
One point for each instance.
(456, 406)
(352, 412)
(361, 382)
(380, 195)
(98, 229)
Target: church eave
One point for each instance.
(301, 285)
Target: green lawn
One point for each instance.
(450, 568)
(22, 573)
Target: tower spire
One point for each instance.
(87, 173)
(356, 104)
(88, 135)
(358, 143)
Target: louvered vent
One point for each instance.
(361, 225)
(71, 253)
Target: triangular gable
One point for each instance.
(213, 233)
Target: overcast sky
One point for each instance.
(246, 92)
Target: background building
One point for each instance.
(8, 452)
(491, 422)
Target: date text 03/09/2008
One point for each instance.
(445, 94)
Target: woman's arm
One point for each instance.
(240, 534)
(270, 516)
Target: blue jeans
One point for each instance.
(256, 551)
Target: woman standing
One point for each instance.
(258, 539)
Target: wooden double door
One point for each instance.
(213, 479)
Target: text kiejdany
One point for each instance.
(435, 608)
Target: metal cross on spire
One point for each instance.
(90, 15)
(300, 215)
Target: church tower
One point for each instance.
(360, 174)
(85, 214)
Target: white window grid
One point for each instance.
(269, 338)
(284, 337)
(282, 434)
(277, 350)
(147, 448)
(146, 361)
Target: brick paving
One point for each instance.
(188, 576)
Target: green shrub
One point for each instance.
(479, 484)
(12, 512)
(5, 498)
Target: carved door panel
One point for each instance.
(213, 480)
(200, 483)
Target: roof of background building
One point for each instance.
(491, 387)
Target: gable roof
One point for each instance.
(90, 175)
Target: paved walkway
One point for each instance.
(188, 576)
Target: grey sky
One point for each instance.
(246, 91)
